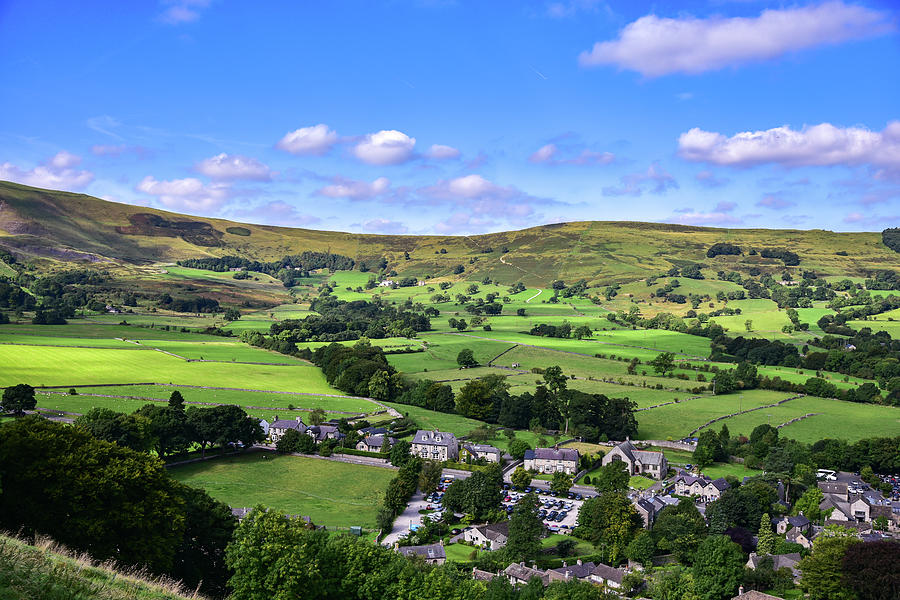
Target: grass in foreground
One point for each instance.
(331, 493)
(50, 572)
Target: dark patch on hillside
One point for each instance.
(193, 232)
(891, 238)
(242, 231)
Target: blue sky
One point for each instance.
(461, 117)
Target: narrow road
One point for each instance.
(535, 296)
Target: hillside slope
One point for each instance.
(62, 226)
(51, 573)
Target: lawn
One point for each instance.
(637, 482)
(460, 553)
(331, 493)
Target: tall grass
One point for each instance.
(49, 571)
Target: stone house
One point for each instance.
(608, 576)
(373, 443)
(580, 571)
(552, 460)
(280, 426)
(707, 490)
(785, 523)
(639, 462)
(435, 445)
(519, 574)
(433, 554)
(492, 536)
(476, 451)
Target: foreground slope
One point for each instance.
(63, 226)
(49, 572)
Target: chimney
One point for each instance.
(578, 562)
(396, 546)
(521, 563)
(741, 591)
(568, 573)
(565, 564)
(442, 541)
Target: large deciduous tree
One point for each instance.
(718, 568)
(130, 431)
(18, 398)
(872, 570)
(525, 531)
(822, 577)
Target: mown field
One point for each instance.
(330, 493)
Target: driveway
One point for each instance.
(403, 521)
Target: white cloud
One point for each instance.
(442, 152)
(819, 145)
(654, 180)
(315, 140)
(276, 213)
(182, 11)
(56, 173)
(721, 214)
(385, 226)
(230, 167)
(186, 194)
(655, 46)
(386, 147)
(481, 200)
(355, 190)
(548, 155)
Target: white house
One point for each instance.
(552, 460)
(435, 445)
(639, 462)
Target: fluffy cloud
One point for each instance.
(316, 140)
(355, 190)
(548, 155)
(56, 173)
(179, 12)
(442, 152)
(230, 167)
(118, 150)
(721, 214)
(655, 46)
(186, 194)
(775, 202)
(384, 226)
(276, 213)
(819, 145)
(386, 147)
(654, 180)
(479, 204)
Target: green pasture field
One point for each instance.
(47, 365)
(81, 404)
(221, 350)
(850, 421)
(88, 329)
(331, 493)
(239, 398)
(675, 421)
(881, 324)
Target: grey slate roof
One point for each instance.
(372, 431)
(433, 438)
(754, 595)
(288, 424)
(428, 551)
(569, 454)
(608, 573)
(646, 457)
(520, 571)
(577, 571)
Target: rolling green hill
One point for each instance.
(62, 226)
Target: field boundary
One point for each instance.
(743, 412)
(794, 420)
(514, 346)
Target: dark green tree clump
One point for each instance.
(110, 501)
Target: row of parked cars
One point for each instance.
(553, 510)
